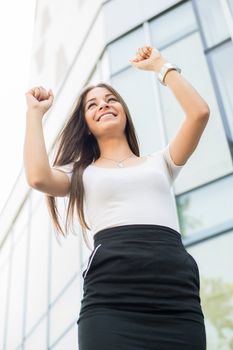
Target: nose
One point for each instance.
(103, 104)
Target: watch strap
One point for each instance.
(165, 69)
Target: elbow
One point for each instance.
(201, 113)
(34, 183)
(36, 180)
(204, 113)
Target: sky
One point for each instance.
(16, 38)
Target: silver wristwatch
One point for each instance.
(166, 68)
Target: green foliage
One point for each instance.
(186, 221)
(217, 303)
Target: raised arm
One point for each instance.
(39, 174)
(196, 117)
(194, 106)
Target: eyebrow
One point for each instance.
(94, 98)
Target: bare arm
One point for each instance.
(38, 172)
(196, 117)
(194, 106)
(36, 163)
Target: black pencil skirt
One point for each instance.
(140, 292)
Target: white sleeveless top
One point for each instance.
(139, 194)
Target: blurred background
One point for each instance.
(64, 46)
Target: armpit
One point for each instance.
(67, 169)
(173, 169)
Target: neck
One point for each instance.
(114, 148)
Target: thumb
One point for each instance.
(134, 61)
(51, 96)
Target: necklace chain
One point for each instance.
(120, 163)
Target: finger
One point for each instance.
(30, 92)
(37, 92)
(134, 62)
(44, 94)
(141, 58)
(40, 90)
(134, 59)
(146, 51)
(138, 56)
(141, 53)
(43, 90)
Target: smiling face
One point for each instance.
(104, 112)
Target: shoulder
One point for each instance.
(163, 155)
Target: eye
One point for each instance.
(91, 104)
(112, 99)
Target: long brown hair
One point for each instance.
(80, 148)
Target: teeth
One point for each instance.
(107, 115)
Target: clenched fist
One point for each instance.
(148, 58)
(39, 98)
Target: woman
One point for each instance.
(141, 286)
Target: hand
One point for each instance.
(148, 58)
(39, 98)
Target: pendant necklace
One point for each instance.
(120, 163)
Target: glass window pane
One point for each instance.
(35, 199)
(213, 21)
(38, 339)
(230, 4)
(4, 276)
(95, 78)
(150, 8)
(215, 262)
(180, 19)
(65, 257)
(211, 159)
(117, 22)
(222, 58)
(37, 296)
(16, 294)
(21, 221)
(5, 251)
(67, 306)
(136, 87)
(122, 50)
(105, 66)
(215, 211)
(69, 340)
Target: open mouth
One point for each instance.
(106, 116)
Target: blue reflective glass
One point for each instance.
(222, 58)
(172, 25)
(136, 87)
(122, 50)
(213, 21)
(208, 208)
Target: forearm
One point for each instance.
(191, 102)
(36, 162)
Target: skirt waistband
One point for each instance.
(143, 232)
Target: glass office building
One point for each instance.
(80, 42)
